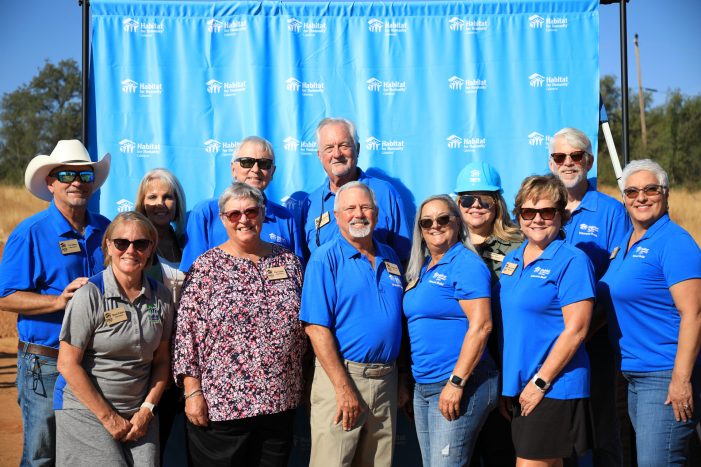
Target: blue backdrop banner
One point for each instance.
(431, 85)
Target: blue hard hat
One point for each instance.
(478, 176)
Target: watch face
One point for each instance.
(456, 380)
(540, 383)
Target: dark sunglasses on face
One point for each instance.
(69, 176)
(650, 191)
(576, 156)
(427, 223)
(528, 214)
(122, 244)
(234, 215)
(484, 201)
(249, 162)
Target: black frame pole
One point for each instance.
(624, 80)
(86, 65)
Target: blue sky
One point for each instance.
(32, 31)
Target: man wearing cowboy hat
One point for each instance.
(46, 259)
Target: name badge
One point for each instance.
(276, 273)
(411, 285)
(494, 256)
(614, 252)
(115, 315)
(69, 246)
(392, 268)
(322, 220)
(509, 268)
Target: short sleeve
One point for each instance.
(318, 294)
(472, 278)
(680, 260)
(576, 282)
(16, 270)
(82, 316)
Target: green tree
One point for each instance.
(36, 115)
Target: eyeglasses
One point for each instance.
(427, 222)
(235, 215)
(576, 156)
(484, 201)
(528, 214)
(122, 244)
(249, 162)
(650, 191)
(69, 176)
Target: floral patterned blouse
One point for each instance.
(238, 332)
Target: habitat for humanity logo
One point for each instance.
(469, 26)
(306, 28)
(124, 205)
(388, 147)
(549, 24)
(146, 29)
(469, 86)
(127, 146)
(219, 148)
(540, 273)
(588, 230)
(308, 88)
(551, 83)
(390, 28)
(641, 252)
(293, 144)
(537, 139)
(388, 88)
(228, 28)
(129, 86)
(467, 144)
(228, 88)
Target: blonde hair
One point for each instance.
(537, 187)
(130, 216)
(167, 177)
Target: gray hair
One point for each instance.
(240, 190)
(267, 146)
(350, 126)
(167, 177)
(419, 250)
(351, 185)
(645, 165)
(574, 137)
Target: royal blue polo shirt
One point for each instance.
(436, 322)
(393, 224)
(33, 262)
(596, 227)
(531, 301)
(205, 230)
(644, 322)
(361, 305)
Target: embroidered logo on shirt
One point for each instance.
(274, 238)
(396, 281)
(437, 278)
(588, 230)
(641, 252)
(153, 315)
(540, 273)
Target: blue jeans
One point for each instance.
(660, 439)
(36, 376)
(445, 443)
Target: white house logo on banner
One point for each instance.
(146, 29)
(467, 144)
(225, 148)
(388, 88)
(387, 147)
(469, 86)
(549, 24)
(290, 143)
(536, 21)
(124, 205)
(129, 86)
(390, 28)
(127, 146)
(293, 145)
(306, 28)
(535, 138)
(228, 88)
(228, 28)
(469, 26)
(536, 80)
(308, 88)
(551, 83)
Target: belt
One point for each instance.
(369, 370)
(36, 349)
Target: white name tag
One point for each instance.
(69, 246)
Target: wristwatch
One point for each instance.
(540, 383)
(455, 380)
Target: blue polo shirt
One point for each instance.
(205, 230)
(32, 262)
(436, 322)
(531, 300)
(393, 225)
(596, 227)
(644, 323)
(361, 306)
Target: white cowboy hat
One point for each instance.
(66, 152)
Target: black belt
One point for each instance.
(37, 349)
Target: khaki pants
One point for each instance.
(371, 441)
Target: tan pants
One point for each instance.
(371, 441)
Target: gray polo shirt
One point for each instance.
(117, 356)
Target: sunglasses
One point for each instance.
(69, 176)
(249, 162)
(427, 223)
(576, 156)
(234, 215)
(650, 191)
(122, 244)
(528, 214)
(484, 201)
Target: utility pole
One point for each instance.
(641, 97)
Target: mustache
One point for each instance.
(359, 222)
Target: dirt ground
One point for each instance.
(10, 416)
